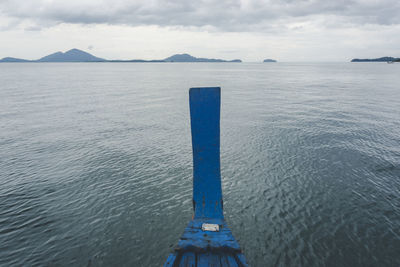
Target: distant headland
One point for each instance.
(269, 60)
(381, 59)
(189, 58)
(76, 55)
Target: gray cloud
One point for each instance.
(33, 28)
(228, 15)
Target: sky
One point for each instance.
(251, 30)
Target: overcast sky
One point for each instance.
(252, 30)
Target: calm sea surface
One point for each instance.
(96, 163)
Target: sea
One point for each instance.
(96, 162)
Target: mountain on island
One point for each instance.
(189, 58)
(381, 59)
(73, 55)
(76, 55)
(13, 59)
(269, 60)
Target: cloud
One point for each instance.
(33, 28)
(224, 15)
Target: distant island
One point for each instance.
(13, 59)
(269, 60)
(189, 58)
(76, 55)
(381, 59)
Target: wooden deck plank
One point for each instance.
(229, 261)
(170, 260)
(242, 259)
(188, 260)
(208, 260)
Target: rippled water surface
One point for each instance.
(96, 163)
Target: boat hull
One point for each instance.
(207, 240)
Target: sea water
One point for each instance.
(96, 161)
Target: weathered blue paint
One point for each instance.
(195, 237)
(198, 248)
(204, 119)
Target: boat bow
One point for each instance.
(207, 240)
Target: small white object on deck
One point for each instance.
(210, 227)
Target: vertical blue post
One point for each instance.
(205, 106)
